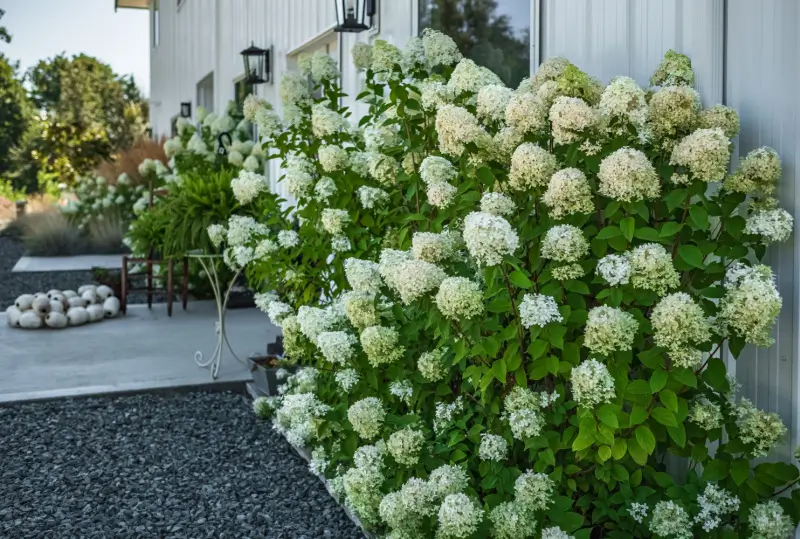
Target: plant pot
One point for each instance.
(241, 298)
(264, 369)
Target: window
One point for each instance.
(495, 34)
(155, 24)
(205, 92)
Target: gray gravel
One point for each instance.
(164, 466)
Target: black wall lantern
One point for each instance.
(351, 15)
(256, 65)
(186, 109)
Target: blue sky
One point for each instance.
(44, 28)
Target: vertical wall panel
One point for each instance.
(762, 77)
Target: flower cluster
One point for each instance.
(592, 384)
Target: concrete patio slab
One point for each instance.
(67, 263)
(144, 350)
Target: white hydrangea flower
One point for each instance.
(492, 102)
(638, 511)
(382, 168)
(380, 137)
(412, 279)
(173, 147)
(293, 89)
(252, 104)
(768, 521)
(497, 204)
(448, 479)
(436, 169)
(571, 118)
(323, 67)
(221, 124)
(382, 345)
(628, 175)
(673, 110)
(314, 321)
(432, 247)
(522, 411)
(334, 220)
(445, 413)
(372, 197)
(251, 164)
(715, 503)
(760, 428)
(417, 498)
(432, 366)
(366, 417)
(555, 533)
(298, 183)
(493, 447)
(457, 127)
(435, 94)
(347, 379)
(652, 269)
(616, 269)
(236, 159)
(564, 243)
(216, 233)
(440, 194)
(679, 324)
(288, 239)
(592, 384)
(758, 173)
(362, 56)
(459, 517)
(459, 298)
(440, 49)
(242, 228)
(385, 56)
(247, 186)
(525, 113)
(362, 488)
(360, 310)
(773, 225)
(751, 303)
(263, 407)
(538, 310)
(504, 143)
(277, 311)
(706, 415)
(363, 276)
(470, 77)
(337, 347)
(720, 117)
(402, 389)
(405, 446)
(534, 491)
(623, 102)
(705, 153)
(511, 521)
(326, 122)
(671, 520)
(568, 192)
(531, 167)
(262, 301)
(333, 158)
(609, 329)
(489, 238)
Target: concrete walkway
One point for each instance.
(67, 263)
(141, 351)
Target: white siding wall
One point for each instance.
(755, 71)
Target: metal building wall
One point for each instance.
(744, 54)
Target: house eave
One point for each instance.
(131, 4)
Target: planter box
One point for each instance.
(264, 373)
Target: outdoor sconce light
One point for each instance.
(186, 109)
(256, 65)
(351, 14)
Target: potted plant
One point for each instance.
(265, 368)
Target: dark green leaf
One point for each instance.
(645, 438)
(664, 416)
(740, 470)
(607, 413)
(658, 380)
(716, 470)
(608, 232)
(691, 255)
(520, 279)
(699, 216)
(627, 227)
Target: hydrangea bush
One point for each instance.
(516, 301)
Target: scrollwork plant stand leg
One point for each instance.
(219, 326)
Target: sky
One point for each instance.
(44, 28)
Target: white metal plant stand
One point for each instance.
(209, 264)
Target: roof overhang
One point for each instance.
(131, 4)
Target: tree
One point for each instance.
(88, 113)
(481, 34)
(4, 35)
(16, 108)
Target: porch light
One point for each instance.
(351, 14)
(186, 109)
(256, 65)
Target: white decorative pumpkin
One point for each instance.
(30, 320)
(40, 295)
(42, 305)
(104, 292)
(77, 316)
(12, 316)
(111, 307)
(56, 306)
(96, 312)
(69, 294)
(76, 302)
(24, 302)
(90, 296)
(86, 287)
(53, 292)
(56, 320)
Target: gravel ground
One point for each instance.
(164, 466)
(13, 285)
